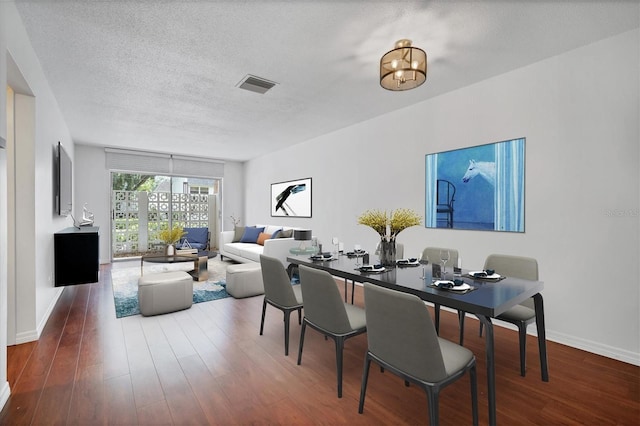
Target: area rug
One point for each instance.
(124, 280)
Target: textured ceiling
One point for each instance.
(162, 75)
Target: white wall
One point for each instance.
(93, 186)
(37, 295)
(579, 113)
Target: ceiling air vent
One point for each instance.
(255, 84)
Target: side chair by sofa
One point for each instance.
(402, 339)
(279, 293)
(325, 312)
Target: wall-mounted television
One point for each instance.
(64, 184)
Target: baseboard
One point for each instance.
(5, 392)
(594, 347)
(50, 308)
(574, 342)
(33, 335)
(27, 336)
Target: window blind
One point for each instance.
(143, 162)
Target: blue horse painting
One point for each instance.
(488, 187)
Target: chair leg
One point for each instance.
(299, 316)
(436, 308)
(522, 337)
(287, 320)
(365, 379)
(302, 330)
(474, 394)
(264, 311)
(339, 350)
(432, 397)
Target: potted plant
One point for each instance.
(388, 226)
(170, 237)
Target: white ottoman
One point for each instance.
(244, 280)
(165, 292)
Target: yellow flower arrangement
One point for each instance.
(389, 225)
(171, 236)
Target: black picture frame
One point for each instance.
(291, 198)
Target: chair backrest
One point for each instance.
(513, 266)
(323, 304)
(433, 255)
(277, 285)
(197, 235)
(400, 332)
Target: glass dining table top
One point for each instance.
(486, 297)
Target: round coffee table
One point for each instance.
(200, 259)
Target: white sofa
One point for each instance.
(250, 252)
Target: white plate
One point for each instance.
(462, 287)
(488, 277)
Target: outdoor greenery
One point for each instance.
(132, 182)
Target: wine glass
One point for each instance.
(444, 257)
(356, 251)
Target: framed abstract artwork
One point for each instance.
(291, 199)
(480, 187)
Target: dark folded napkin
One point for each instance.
(321, 256)
(370, 268)
(484, 274)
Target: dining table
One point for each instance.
(485, 299)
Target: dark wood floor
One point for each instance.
(208, 365)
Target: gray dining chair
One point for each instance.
(432, 254)
(402, 339)
(523, 314)
(279, 293)
(325, 312)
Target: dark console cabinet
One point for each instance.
(76, 255)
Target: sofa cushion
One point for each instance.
(239, 232)
(270, 229)
(285, 233)
(251, 234)
(251, 252)
(236, 248)
(263, 237)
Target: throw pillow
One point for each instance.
(288, 233)
(251, 234)
(238, 234)
(276, 234)
(262, 237)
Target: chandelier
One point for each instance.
(404, 67)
